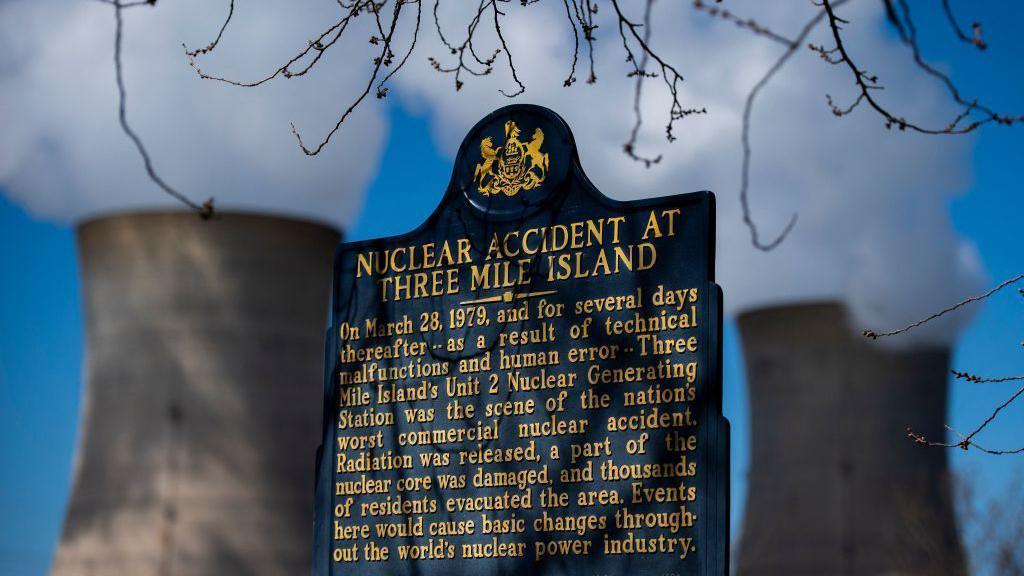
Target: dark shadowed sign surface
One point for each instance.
(528, 383)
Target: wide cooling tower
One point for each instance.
(202, 402)
(835, 487)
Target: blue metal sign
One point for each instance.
(529, 382)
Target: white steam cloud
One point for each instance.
(873, 231)
(63, 155)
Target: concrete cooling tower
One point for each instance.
(835, 486)
(202, 404)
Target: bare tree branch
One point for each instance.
(571, 78)
(508, 53)
(630, 145)
(743, 23)
(875, 335)
(868, 84)
(980, 380)
(318, 47)
(908, 34)
(213, 44)
(584, 16)
(865, 82)
(965, 441)
(636, 43)
(791, 47)
(669, 75)
(129, 3)
(585, 11)
(462, 49)
(205, 210)
(974, 39)
(580, 15)
(384, 59)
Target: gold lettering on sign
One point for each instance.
(534, 394)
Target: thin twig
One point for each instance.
(669, 75)
(908, 34)
(967, 441)
(748, 108)
(585, 12)
(317, 46)
(580, 15)
(875, 335)
(743, 23)
(630, 146)
(129, 3)
(383, 59)
(982, 380)
(464, 48)
(868, 84)
(213, 44)
(975, 39)
(508, 54)
(205, 210)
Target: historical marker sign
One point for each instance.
(528, 383)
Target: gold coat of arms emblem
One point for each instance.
(516, 166)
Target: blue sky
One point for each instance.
(41, 340)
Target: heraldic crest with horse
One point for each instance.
(516, 166)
